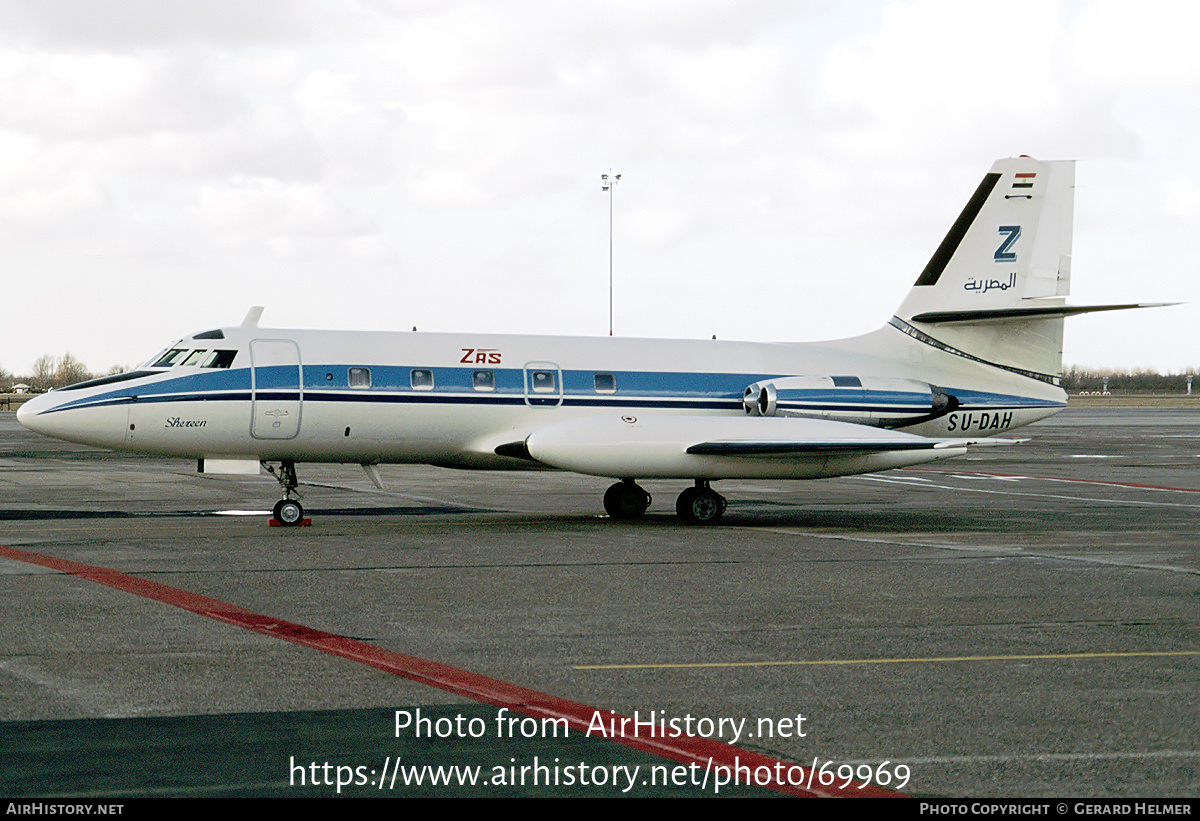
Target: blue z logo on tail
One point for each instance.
(1002, 253)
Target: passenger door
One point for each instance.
(276, 389)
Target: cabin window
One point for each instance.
(483, 380)
(194, 358)
(218, 359)
(170, 358)
(605, 383)
(421, 379)
(359, 378)
(542, 381)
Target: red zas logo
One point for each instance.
(480, 356)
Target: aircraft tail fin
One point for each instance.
(995, 290)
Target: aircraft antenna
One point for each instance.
(252, 317)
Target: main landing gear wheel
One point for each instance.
(700, 505)
(288, 512)
(626, 501)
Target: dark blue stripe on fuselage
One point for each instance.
(391, 384)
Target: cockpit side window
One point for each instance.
(170, 358)
(194, 358)
(219, 359)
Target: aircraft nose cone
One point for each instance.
(52, 414)
(39, 416)
(27, 413)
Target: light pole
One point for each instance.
(607, 183)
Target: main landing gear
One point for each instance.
(700, 505)
(626, 501)
(287, 512)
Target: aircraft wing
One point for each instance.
(774, 448)
(707, 447)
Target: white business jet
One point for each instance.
(974, 350)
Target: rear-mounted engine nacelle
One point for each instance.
(760, 399)
(870, 400)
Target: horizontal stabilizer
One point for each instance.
(1041, 311)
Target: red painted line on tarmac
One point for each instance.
(1052, 479)
(686, 750)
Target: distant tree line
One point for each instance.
(1077, 379)
(53, 372)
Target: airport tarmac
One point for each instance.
(1021, 622)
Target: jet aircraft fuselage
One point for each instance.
(974, 351)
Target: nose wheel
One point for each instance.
(287, 511)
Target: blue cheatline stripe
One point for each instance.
(512, 380)
(489, 399)
(454, 386)
(415, 399)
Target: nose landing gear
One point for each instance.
(287, 511)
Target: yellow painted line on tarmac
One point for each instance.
(882, 661)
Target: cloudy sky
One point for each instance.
(787, 166)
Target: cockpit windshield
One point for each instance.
(171, 357)
(198, 357)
